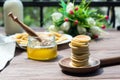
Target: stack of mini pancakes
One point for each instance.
(80, 50)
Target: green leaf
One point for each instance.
(58, 23)
(63, 5)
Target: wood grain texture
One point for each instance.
(22, 68)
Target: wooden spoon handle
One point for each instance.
(25, 27)
(110, 61)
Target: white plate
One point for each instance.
(69, 38)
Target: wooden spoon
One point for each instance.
(24, 26)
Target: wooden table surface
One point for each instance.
(22, 68)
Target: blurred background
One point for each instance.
(32, 13)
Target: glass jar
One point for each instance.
(44, 50)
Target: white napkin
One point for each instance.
(7, 50)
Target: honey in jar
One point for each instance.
(44, 50)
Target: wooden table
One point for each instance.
(22, 68)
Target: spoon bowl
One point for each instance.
(66, 65)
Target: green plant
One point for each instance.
(78, 19)
(31, 16)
